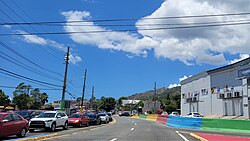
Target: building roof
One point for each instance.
(241, 63)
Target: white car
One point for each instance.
(104, 117)
(49, 120)
(175, 114)
(194, 114)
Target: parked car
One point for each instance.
(164, 113)
(194, 114)
(29, 114)
(110, 116)
(13, 124)
(125, 114)
(49, 120)
(104, 118)
(94, 118)
(78, 119)
(175, 114)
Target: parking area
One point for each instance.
(43, 134)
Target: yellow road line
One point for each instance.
(198, 137)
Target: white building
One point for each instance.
(223, 91)
(125, 102)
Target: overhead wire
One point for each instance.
(25, 21)
(28, 60)
(133, 19)
(126, 30)
(27, 31)
(24, 66)
(11, 87)
(27, 78)
(17, 77)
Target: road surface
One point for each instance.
(129, 129)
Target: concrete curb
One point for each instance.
(40, 137)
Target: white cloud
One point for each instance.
(242, 57)
(7, 26)
(74, 59)
(120, 41)
(173, 85)
(47, 42)
(184, 77)
(191, 46)
(180, 79)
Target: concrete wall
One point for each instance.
(226, 81)
(199, 88)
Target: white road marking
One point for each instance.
(113, 139)
(132, 129)
(135, 124)
(184, 138)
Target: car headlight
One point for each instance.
(76, 120)
(49, 120)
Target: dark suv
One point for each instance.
(29, 114)
(94, 118)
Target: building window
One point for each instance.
(204, 92)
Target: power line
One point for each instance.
(28, 60)
(26, 30)
(22, 65)
(27, 78)
(133, 19)
(142, 25)
(11, 87)
(127, 30)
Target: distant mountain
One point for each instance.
(161, 93)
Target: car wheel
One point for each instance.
(87, 124)
(22, 133)
(65, 127)
(80, 125)
(53, 127)
(31, 130)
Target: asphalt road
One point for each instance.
(128, 129)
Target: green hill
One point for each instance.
(161, 93)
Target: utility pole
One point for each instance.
(83, 89)
(65, 80)
(155, 98)
(93, 96)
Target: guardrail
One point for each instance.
(225, 125)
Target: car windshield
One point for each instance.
(1, 115)
(46, 115)
(75, 116)
(23, 113)
(92, 116)
(196, 114)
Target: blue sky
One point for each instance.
(118, 63)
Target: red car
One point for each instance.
(78, 119)
(12, 124)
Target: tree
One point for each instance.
(4, 99)
(38, 99)
(21, 97)
(97, 104)
(119, 104)
(109, 103)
